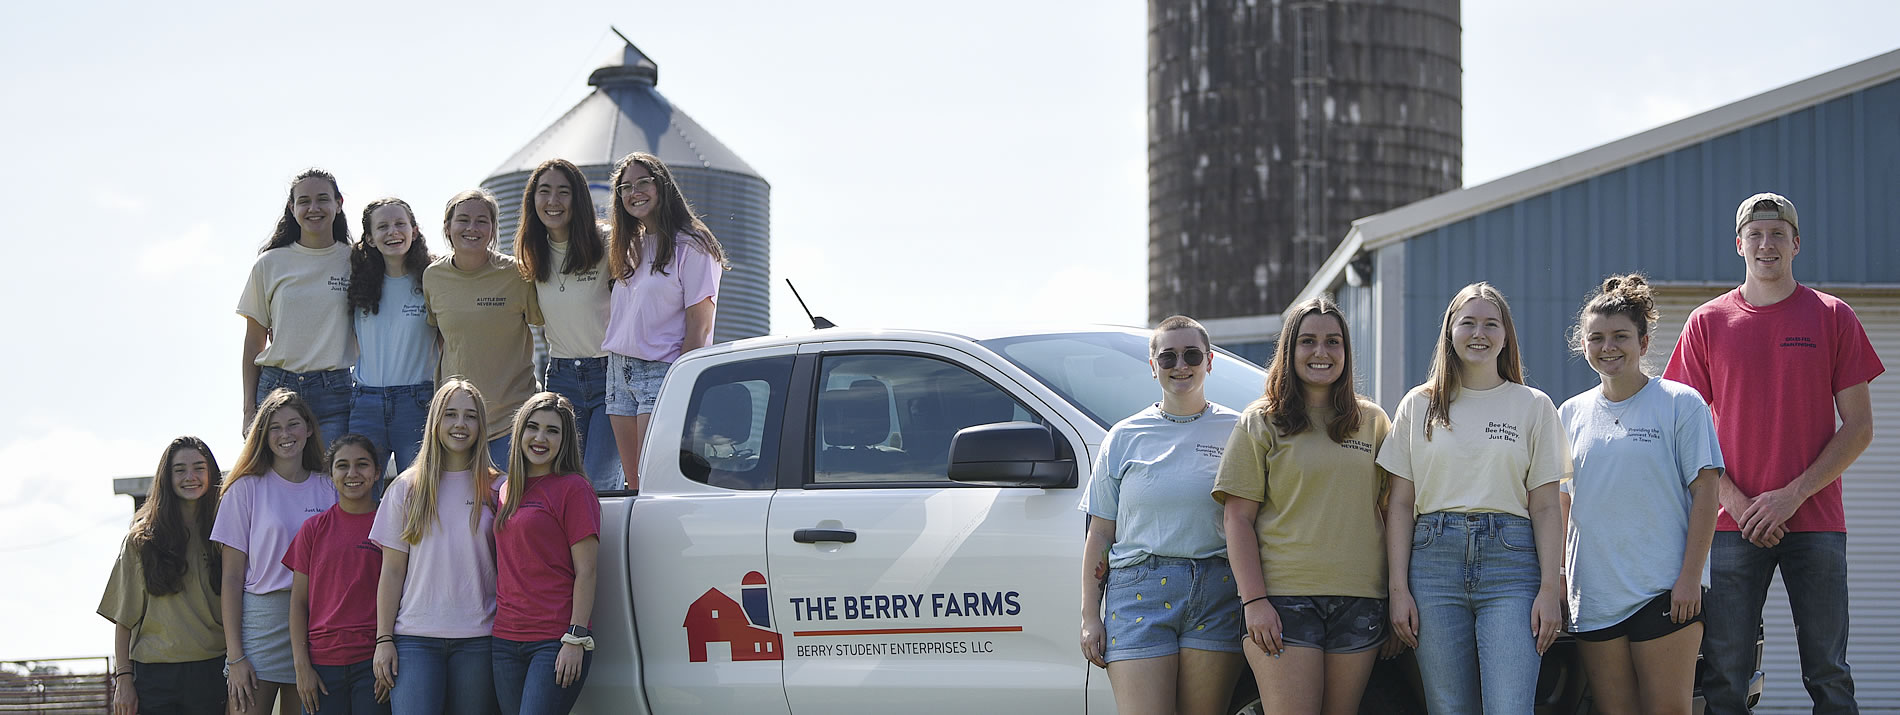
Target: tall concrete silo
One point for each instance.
(625, 114)
(1272, 125)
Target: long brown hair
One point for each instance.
(160, 533)
(584, 249)
(256, 457)
(567, 457)
(425, 476)
(671, 218)
(1284, 402)
(1444, 381)
(288, 230)
(367, 264)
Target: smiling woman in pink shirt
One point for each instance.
(666, 266)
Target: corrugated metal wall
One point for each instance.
(1671, 217)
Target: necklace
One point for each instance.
(1616, 415)
(1179, 419)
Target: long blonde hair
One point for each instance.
(567, 457)
(256, 457)
(1443, 383)
(425, 478)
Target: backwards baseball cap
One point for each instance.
(1766, 207)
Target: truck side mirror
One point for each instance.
(1010, 454)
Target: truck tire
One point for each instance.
(1389, 692)
(1246, 699)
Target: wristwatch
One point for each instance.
(579, 631)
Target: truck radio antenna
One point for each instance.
(817, 323)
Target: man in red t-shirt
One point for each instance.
(1777, 361)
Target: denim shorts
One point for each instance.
(1163, 604)
(1333, 624)
(329, 393)
(632, 384)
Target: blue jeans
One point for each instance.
(583, 381)
(443, 675)
(328, 393)
(524, 678)
(1474, 577)
(498, 451)
(351, 690)
(1814, 571)
(392, 418)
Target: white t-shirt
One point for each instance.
(1629, 511)
(574, 306)
(450, 588)
(1502, 443)
(1152, 477)
(398, 343)
(301, 295)
(260, 515)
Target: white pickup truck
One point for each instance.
(868, 521)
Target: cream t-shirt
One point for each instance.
(1319, 524)
(575, 305)
(484, 317)
(301, 295)
(1502, 443)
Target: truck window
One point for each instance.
(732, 429)
(885, 419)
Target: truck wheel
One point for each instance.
(1246, 699)
(1388, 692)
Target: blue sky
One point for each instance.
(915, 151)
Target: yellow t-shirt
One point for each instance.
(1502, 443)
(181, 627)
(484, 317)
(302, 296)
(1319, 523)
(575, 305)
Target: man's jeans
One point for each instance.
(1814, 570)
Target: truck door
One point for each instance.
(696, 540)
(892, 584)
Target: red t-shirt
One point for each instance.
(333, 549)
(534, 566)
(1770, 375)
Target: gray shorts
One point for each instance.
(633, 384)
(267, 636)
(1333, 624)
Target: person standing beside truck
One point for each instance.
(547, 538)
(1159, 606)
(559, 249)
(1777, 361)
(435, 597)
(333, 589)
(1301, 497)
(479, 301)
(666, 266)
(1640, 510)
(396, 362)
(168, 646)
(295, 307)
(264, 502)
(1474, 530)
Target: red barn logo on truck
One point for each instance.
(715, 618)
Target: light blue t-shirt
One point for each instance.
(1152, 479)
(1629, 511)
(397, 344)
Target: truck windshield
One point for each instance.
(1106, 373)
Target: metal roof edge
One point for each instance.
(1329, 272)
(1408, 221)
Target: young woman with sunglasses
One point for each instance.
(1159, 608)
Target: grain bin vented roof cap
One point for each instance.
(625, 114)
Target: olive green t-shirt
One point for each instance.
(1319, 523)
(483, 316)
(182, 627)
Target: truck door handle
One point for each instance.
(813, 536)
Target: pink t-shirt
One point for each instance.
(534, 594)
(450, 588)
(334, 552)
(260, 515)
(648, 319)
(1769, 375)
